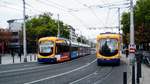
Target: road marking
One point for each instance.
(60, 74)
(26, 65)
(83, 77)
(24, 69)
(106, 76)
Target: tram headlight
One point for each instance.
(57, 57)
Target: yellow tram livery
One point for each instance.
(54, 49)
(108, 48)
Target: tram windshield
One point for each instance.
(108, 47)
(46, 48)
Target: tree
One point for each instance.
(43, 26)
(141, 20)
(126, 25)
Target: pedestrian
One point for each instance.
(127, 52)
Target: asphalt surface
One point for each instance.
(83, 70)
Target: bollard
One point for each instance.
(139, 61)
(30, 57)
(19, 56)
(140, 68)
(13, 58)
(137, 80)
(12, 54)
(124, 77)
(139, 73)
(0, 59)
(133, 74)
(35, 57)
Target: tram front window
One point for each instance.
(108, 47)
(46, 48)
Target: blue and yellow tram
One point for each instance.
(108, 48)
(54, 49)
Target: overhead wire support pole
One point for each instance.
(24, 33)
(58, 32)
(132, 55)
(131, 24)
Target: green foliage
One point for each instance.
(126, 24)
(141, 21)
(43, 26)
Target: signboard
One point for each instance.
(132, 48)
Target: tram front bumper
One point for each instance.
(108, 60)
(47, 60)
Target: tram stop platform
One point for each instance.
(145, 74)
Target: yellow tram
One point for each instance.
(108, 48)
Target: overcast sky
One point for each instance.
(81, 14)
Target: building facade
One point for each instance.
(73, 36)
(10, 39)
(5, 38)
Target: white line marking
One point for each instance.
(83, 78)
(60, 74)
(26, 65)
(107, 75)
(24, 69)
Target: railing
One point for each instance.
(16, 58)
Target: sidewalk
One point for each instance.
(145, 79)
(145, 74)
(8, 59)
(129, 73)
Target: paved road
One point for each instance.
(79, 71)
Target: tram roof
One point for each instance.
(60, 40)
(52, 38)
(109, 35)
(48, 38)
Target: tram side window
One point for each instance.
(74, 48)
(62, 48)
(58, 51)
(66, 48)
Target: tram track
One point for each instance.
(104, 77)
(43, 71)
(79, 71)
(95, 77)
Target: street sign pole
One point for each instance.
(132, 54)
